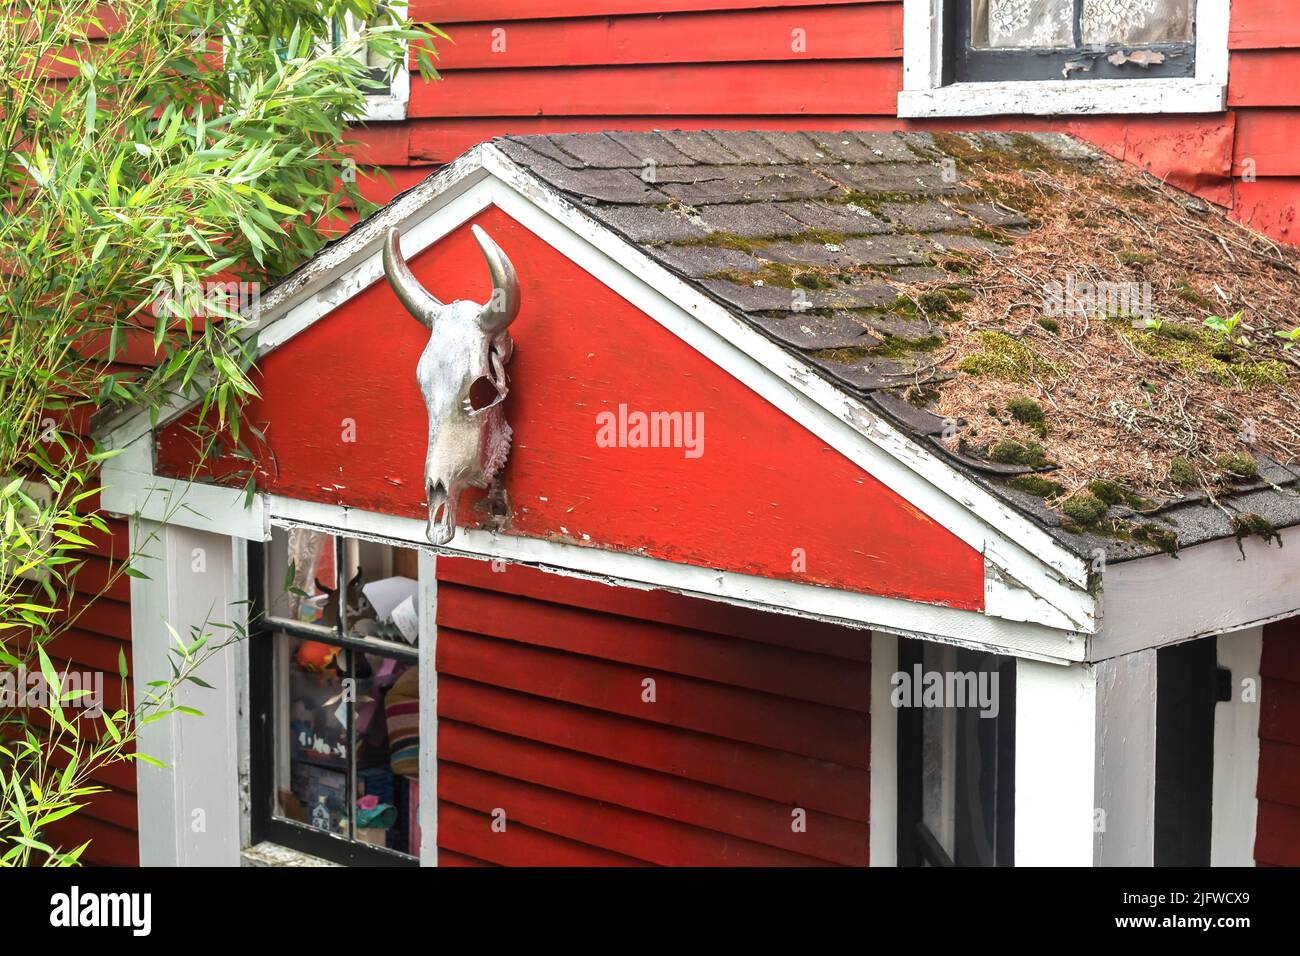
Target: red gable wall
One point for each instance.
(347, 425)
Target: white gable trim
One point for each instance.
(1030, 576)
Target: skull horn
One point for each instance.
(410, 293)
(502, 308)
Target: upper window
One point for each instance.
(391, 90)
(985, 57)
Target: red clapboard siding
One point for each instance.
(673, 798)
(100, 576)
(559, 737)
(826, 86)
(1270, 205)
(640, 835)
(1259, 78)
(444, 12)
(1277, 829)
(825, 680)
(708, 707)
(470, 832)
(858, 32)
(381, 144)
(1264, 24)
(87, 651)
(787, 778)
(1268, 138)
(104, 616)
(1279, 772)
(442, 140)
(110, 845)
(1278, 842)
(664, 607)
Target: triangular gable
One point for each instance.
(1027, 575)
(745, 491)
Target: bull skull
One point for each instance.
(462, 375)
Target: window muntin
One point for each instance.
(335, 674)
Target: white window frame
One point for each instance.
(393, 105)
(923, 94)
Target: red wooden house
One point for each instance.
(684, 651)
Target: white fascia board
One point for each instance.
(1209, 589)
(129, 488)
(923, 94)
(1025, 552)
(928, 622)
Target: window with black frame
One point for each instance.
(994, 40)
(335, 697)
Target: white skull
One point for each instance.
(462, 375)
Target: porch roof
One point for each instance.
(892, 262)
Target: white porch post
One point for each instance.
(883, 827)
(1056, 745)
(1085, 762)
(1236, 752)
(428, 815)
(1126, 760)
(189, 812)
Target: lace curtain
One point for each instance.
(1132, 22)
(1026, 24)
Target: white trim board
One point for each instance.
(905, 618)
(883, 823)
(1209, 589)
(1235, 807)
(923, 95)
(1033, 578)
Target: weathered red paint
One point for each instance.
(757, 89)
(714, 36)
(763, 496)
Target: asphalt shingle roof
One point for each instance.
(743, 215)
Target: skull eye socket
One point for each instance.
(482, 393)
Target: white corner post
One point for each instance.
(1236, 752)
(189, 812)
(1126, 760)
(883, 826)
(1055, 747)
(428, 815)
(1085, 762)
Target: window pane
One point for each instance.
(1022, 24)
(382, 591)
(311, 785)
(388, 720)
(1131, 22)
(301, 577)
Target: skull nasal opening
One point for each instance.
(482, 393)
